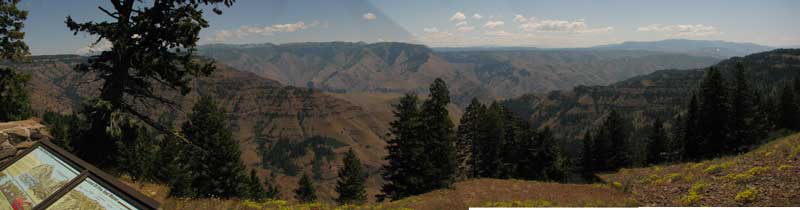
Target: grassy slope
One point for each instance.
(767, 176)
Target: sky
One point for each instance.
(450, 23)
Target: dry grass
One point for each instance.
(471, 193)
(767, 176)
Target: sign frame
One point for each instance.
(86, 171)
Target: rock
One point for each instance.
(3, 136)
(7, 153)
(6, 145)
(36, 134)
(25, 144)
(18, 134)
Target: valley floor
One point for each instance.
(767, 176)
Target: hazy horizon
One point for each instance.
(447, 23)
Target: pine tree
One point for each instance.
(153, 45)
(715, 110)
(176, 159)
(514, 131)
(437, 133)
(467, 138)
(692, 140)
(656, 148)
(256, 192)
(217, 162)
(788, 110)
(16, 104)
(744, 131)
(588, 155)
(305, 191)
(14, 97)
(610, 143)
(490, 142)
(403, 173)
(138, 152)
(272, 191)
(352, 178)
(548, 156)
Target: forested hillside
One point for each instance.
(269, 120)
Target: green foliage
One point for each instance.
(255, 191)
(305, 191)
(746, 196)
(64, 128)
(281, 154)
(138, 151)
(467, 137)
(608, 149)
(351, 182)
(153, 44)
(272, 191)
(13, 46)
(16, 102)
(657, 148)
(748, 121)
(404, 168)
(694, 194)
(217, 166)
(437, 133)
(788, 109)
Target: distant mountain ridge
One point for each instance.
(717, 49)
(660, 94)
(391, 67)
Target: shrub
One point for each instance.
(712, 169)
(749, 174)
(746, 196)
(784, 167)
(694, 194)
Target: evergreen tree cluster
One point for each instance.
(606, 147)
(727, 116)
(493, 142)
(422, 153)
(425, 154)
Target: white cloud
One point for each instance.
(430, 30)
(462, 23)
(681, 30)
(251, 31)
(577, 26)
(493, 24)
(94, 48)
(369, 16)
(499, 33)
(459, 16)
(477, 16)
(521, 19)
(465, 28)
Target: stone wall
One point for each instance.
(16, 136)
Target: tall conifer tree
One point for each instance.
(305, 191)
(352, 178)
(403, 172)
(437, 134)
(217, 164)
(656, 148)
(789, 117)
(467, 138)
(15, 101)
(715, 113)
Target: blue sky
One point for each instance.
(453, 23)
